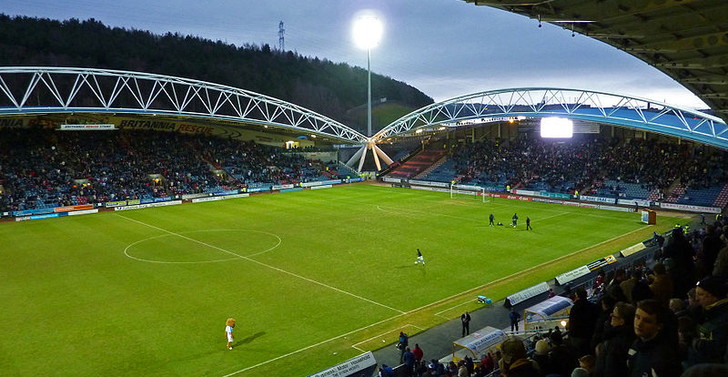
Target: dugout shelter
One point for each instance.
(547, 313)
(477, 343)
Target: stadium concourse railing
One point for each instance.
(122, 205)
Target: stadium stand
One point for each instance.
(624, 169)
(43, 169)
(417, 164)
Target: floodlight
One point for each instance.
(367, 31)
(554, 127)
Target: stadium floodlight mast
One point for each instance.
(367, 31)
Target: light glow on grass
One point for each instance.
(342, 273)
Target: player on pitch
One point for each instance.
(420, 258)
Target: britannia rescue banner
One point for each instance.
(363, 364)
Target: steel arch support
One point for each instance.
(57, 89)
(603, 107)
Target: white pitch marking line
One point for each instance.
(266, 265)
(439, 314)
(379, 336)
(131, 245)
(412, 311)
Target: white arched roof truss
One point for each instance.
(602, 107)
(43, 90)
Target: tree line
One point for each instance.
(329, 88)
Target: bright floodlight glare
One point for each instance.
(367, 31)
(553, 127)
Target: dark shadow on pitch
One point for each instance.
(250, 339)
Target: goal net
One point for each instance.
(467, 192)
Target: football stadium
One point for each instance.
(539, 231)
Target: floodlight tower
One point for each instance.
(281, 37)
(367, 31)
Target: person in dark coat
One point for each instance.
(465, 320)
(515, 362)
(582, 322)
(678, 256)
(712, 342)
(654, 352)
(618, 337)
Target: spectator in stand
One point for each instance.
(515, 362)
(641, 290)
(487, 363)
(711, 245)
(678, 256)
(687, 332)
(706, 370)
(721, 262)
(619, 336)
(582, 322)
(541, 355)
(629, 284)
(661, 283)
(606, 305)
(654, 352)
(586, 362)
(711, 345)
(614, 288)
(463, 369)
(561, 360)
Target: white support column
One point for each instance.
(356, 155)
(375, 155)
(382, 155)
(362, 158)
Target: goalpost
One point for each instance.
(467, 192)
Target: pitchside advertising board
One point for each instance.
(362, 365)
(584, 270)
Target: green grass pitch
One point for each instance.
(312, 277)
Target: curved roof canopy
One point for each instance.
(685, 39)
(43, 90)
(602, 107)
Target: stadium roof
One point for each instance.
(685, 39)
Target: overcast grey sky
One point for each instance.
(445, 48)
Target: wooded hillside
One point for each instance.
(318, 84)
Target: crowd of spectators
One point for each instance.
(659, 321)
(43, 168)
(667, 319)
(585, 164)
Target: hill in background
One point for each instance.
(331, 89)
